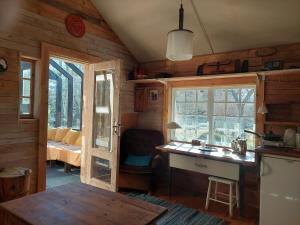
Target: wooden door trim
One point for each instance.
(88, 150)
(47, 51)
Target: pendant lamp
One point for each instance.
(180, 41)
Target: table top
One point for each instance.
(221, 154)
(81, 204)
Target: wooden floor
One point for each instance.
(198, 202)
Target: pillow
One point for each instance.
(78, 141)
(51, 133)
(70, 137)
(61, 133)
(136, 160)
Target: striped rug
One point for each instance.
(178, 214)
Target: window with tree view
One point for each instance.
(26, 88)
(214, 115)
(65, 93)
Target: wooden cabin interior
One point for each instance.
(113, 113)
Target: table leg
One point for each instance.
(67, 168)
(241, 190)
(170, 181)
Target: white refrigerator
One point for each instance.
(279, 191)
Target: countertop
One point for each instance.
(281, 151)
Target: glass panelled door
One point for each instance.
(101, 128)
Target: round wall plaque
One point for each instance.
(3, 65)
(75, 25)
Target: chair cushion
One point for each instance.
(71, 137)
(139, 142)
(135, 170)
(51, 133)
(78, 141)
(70, 154)
(138, 160)
(61, 133)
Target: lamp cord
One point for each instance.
(202, 27)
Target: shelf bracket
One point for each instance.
(162, 81)
(261, 76)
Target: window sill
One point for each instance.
(210, 145)
(27, 120)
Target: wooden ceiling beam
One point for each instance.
(66, 8)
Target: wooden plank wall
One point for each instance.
(40, 21)
(151, 110)
(290, 54)
(282, 97)
(18, 138)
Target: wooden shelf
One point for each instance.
(201, 77)
(283, 123)
(143, 81)
(165, 80)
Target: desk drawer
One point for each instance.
(206, 166)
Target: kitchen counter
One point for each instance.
(282, 151)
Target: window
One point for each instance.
(26, 88)
(214, 115)
(65, 93)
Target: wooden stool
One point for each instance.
(14, 183)
(233, 199)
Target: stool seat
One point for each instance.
(14, 183)
(232, 199)
(222, 180)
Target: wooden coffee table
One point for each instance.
(78, 204)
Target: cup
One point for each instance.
(196, 142)
(203, 144)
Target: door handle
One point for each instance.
(200, 165)
(117, 129)
(290, 161)
(262, 168)
(265, 169)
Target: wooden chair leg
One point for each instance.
(67, 168)
(230, 200)
(208, 195)
(237, 193)
(216, 190)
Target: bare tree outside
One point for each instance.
(65, 94)
(216, 116)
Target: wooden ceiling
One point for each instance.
(230, 24)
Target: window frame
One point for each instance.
(210, 103)
(66, 60)
(32, 86)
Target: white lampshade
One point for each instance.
(180, 45)
(263, 109)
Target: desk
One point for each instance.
(78, 204)
(216, 163)
(220, 155)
